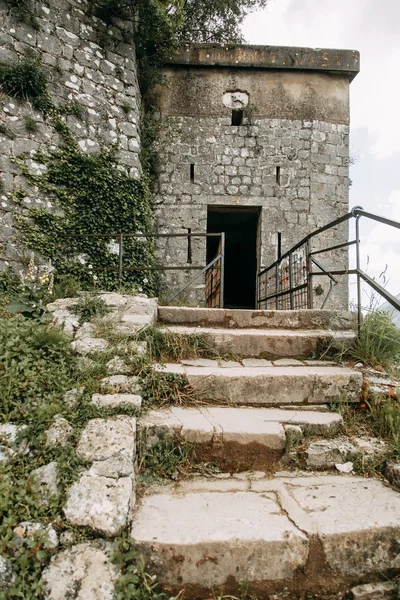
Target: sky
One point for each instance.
(372, 27)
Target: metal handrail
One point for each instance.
(120, 237)
(356, 213)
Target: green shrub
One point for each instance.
(31, 125)
(165, 346)
(89, 306)
(26, 79)
(36, 367)
(378, 343)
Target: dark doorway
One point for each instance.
(240, 226)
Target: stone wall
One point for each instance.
(288, 159)
(90, 64)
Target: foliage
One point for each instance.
(36, 366)
(160, 389)
(378, 343)
(89, 306)
(24, 11)
(164, 345)
(94, 196)
(134, 582)
(31, 125)
(168, 459)
(35, 289)
(386, 418)
(26, 79)
(216, 20)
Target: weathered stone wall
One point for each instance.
(89, 63)
(295, 121)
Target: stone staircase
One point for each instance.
(260, 521)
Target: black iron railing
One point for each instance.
(213, 271)
(288, 282)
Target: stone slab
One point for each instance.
(219, 534)
(239, 523)
(102, 503)
(254, 343)
(255, 319)
(272, 385)
(77, 570)
(117, 400)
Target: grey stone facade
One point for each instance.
(288, 159)
(89, 63)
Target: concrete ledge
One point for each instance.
(271, 385)
(326, 60)
(257, 319)
(268, 342)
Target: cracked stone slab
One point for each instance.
(271, 385)
(47, 478)
(59, 432)
(241, 534)
(112, 438)
(102, 503)
(74, 573)
(88, 345)
(117, 400)
(356, 519)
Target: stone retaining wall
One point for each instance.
(90, 64)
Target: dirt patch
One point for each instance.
(234, 457)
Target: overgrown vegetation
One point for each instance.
(168, 346)
(134, 583)
(94, 195)
(168, 459)
(26, 79)
(89, 307)
(25, 12)
(163, 389)
(378, 343)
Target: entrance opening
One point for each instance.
(240, 226)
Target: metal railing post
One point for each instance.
(358, 268)
(291, 280)
(121, 235)
(276, 286)
(310, 299)
(221, 299)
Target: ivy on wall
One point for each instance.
(93, 196)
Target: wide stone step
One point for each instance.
(254, 343)
(236, 439)
(255, 319)
(315, 533)
(275, 385)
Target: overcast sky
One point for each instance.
(373, 28)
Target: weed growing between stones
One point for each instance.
(31, 125)
(134, 582)
(167, 460)
(25, 12)
(163, 389)
(27, 79)
(164, 345)
(89, 306)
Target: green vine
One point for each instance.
(93, 196)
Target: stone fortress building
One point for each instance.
(256, 144)
(254, 140)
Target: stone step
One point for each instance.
(254, 343)
(236, 439)
(275, 385)
(257, 319)
(299, 533)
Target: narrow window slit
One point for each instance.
(189, 247)
(278, 175)
(237, 117)
(192, 172)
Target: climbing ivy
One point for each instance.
(93, 195)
